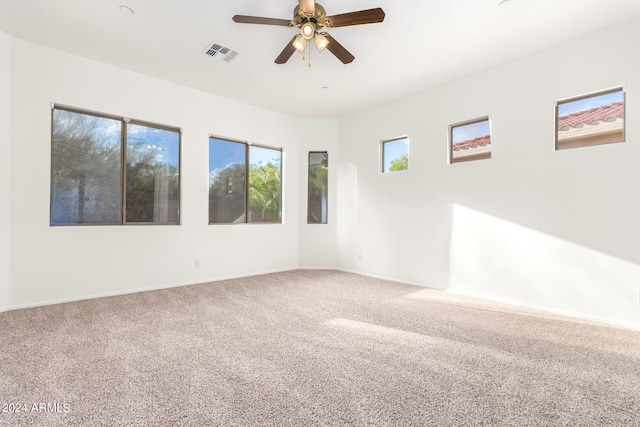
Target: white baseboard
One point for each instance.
(137, 290)
(569, 314)
(318, 268)
(391, 279)
(577, 316)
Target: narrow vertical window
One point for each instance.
(245, 183)
(318, 184)
(227, 169)
(470, 140)
(395, 155)
(265, 193)
(590, 120)
(152, 175)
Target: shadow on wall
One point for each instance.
(500, 260)
(351, 207)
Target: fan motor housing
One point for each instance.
(319, 18)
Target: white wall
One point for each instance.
(318, 241)
(5, 122)
(555, 230)
(532, 226)
(51, 264)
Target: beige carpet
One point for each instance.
(306, 348)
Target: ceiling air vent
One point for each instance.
(221, 52)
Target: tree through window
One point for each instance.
(317, 190)
(395, 155)
(109, 170)
(245, 183)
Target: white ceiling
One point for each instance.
(421, 43)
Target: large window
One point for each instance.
(470, 140)
(111, 170)
(590, 119)
(395, 155)
(234, 198)
(317, 196)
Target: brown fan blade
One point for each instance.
(369, 16)
(338, 50)
(243, 19)
(286, 52)
(307, 6)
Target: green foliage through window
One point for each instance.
(400, 164)
(235, 199)
(88, 178)
(318, 188)
(395, 155)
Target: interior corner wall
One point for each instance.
(556, 230)
(318, 241)
(5, 126)
(53, 264)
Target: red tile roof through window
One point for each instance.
(603, 113)
(480, 141)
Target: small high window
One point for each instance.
(395, 154)
(590, 119)
(470, 140)
(244, 183)
(317, 197)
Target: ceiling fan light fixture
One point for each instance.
(308, 30)
(299, 43)
(310, 18)
(321, 41)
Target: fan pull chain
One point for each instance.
(309, 65)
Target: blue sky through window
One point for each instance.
(469, 131)
(259, 156)
(165, 143)
(223, 153)
(570, 107)
(394, 150)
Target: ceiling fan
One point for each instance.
(310, 17)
